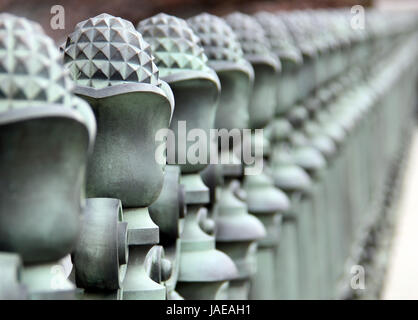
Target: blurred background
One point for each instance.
(136, 10)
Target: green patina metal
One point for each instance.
(263, 199)
(336, 105)
(114, 70)
(166, 212)
(236, 230)
(46, 133)
(203, 271)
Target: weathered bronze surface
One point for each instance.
(46, 133)
(114, 71)
(203, 271)
(335, 103)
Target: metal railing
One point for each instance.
(88, 210)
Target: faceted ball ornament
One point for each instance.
(251, 36)
(299, 25)
(217, 38)
(174, 44)
(106, 50)
(281, 40)
(31, 70)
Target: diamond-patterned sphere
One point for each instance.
(251, 36)
(174, 44)
(31, 70)
(218, 39)
(281, 40)
(302, 30)
(106, 50)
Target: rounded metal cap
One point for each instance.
(254, 43)
(279, 129)
(106, 57)
(263, 197)
(220, 43)
(291, 178)
(281, 40)
(32, 75)
(106, 50)
(233, 223)
(199, 260)
(177, 50)
(300, 30)
(309, 158)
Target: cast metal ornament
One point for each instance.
(263, 199)
(257, 50)
(204, 271)
(284, 47)
(167, 212)
(236, 75)
(46, 135)
(114, 70)
(236, 231)
(323, 91)
(291, 156)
